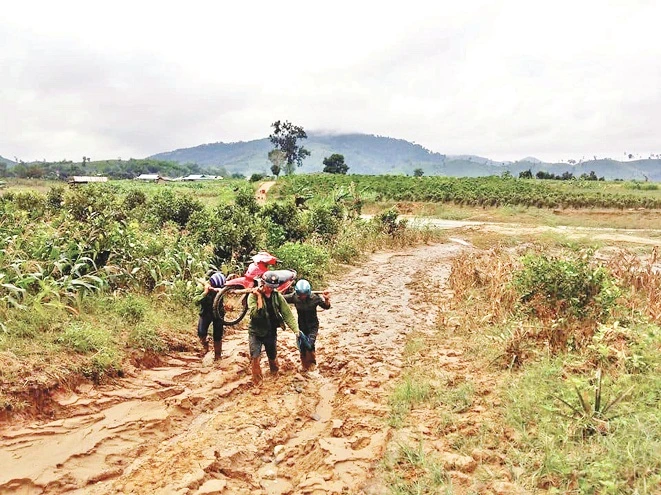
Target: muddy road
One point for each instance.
(192, 427)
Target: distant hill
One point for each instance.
(375, 155)
(365, 154)
(7, 161)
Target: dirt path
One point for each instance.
(185, 428)
(262, 191)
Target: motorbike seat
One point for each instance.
(284, 275)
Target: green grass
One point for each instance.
(556, 452)
(431, 477)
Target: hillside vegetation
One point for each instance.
(375, 155)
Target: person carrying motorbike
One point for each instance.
(215, 283)
(268, 311)
(306, 304)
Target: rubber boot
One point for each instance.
(305, 363)
(256, 370)
(205, 345)
(274, 366)
(217, 349)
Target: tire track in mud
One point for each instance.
(186, 429)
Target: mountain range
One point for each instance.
(375, 155)
(378, 155)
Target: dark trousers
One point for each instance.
(268, 341)
(203, 327)
(312, 338)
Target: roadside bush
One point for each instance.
(554, 288)
(132, 308)
(245, 199)
(84, 338)
(284, 223)
(310, 262)
(146, 338)
(326, 220)
(387, 221)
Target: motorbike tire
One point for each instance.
(230, 306)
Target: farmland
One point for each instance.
(509, 361)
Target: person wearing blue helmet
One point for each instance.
(205, 300)
(306, 304)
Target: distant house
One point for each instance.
(83, 179)
(201, 177)
(150, 178)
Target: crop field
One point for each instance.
(520, 354)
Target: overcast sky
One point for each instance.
(502, 79)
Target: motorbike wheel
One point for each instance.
(230, 306)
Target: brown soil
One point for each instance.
(190, 427)
(180, 426)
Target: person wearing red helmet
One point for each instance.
(215, 283)
(268, 311)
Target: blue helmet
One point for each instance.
(303, 288)
(217, 280)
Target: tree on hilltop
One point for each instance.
(285, 138)
(334, 164)
(277, 159)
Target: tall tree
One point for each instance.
(334, 164)
(285, 138)
(277, 159)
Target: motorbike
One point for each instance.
(231, 302)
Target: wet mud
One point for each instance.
(191, 426)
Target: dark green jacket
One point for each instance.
(206, 302)
(260, 323)
(307, 310)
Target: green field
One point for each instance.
(94, 277)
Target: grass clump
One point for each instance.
(410, 469)
(146, 338)
(97, 343)
(582, 345)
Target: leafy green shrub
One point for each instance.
(132, 308)
(30, 201)
(134, 198)
(89, 201)
(310, 262)
(84, 338)
(245, 199)
(387, 221)
(284, 223)
(550, 287)
(326, 220)
(165, 206)
(55, 197)
(146, 338)
(256, 177)
(233, 231)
